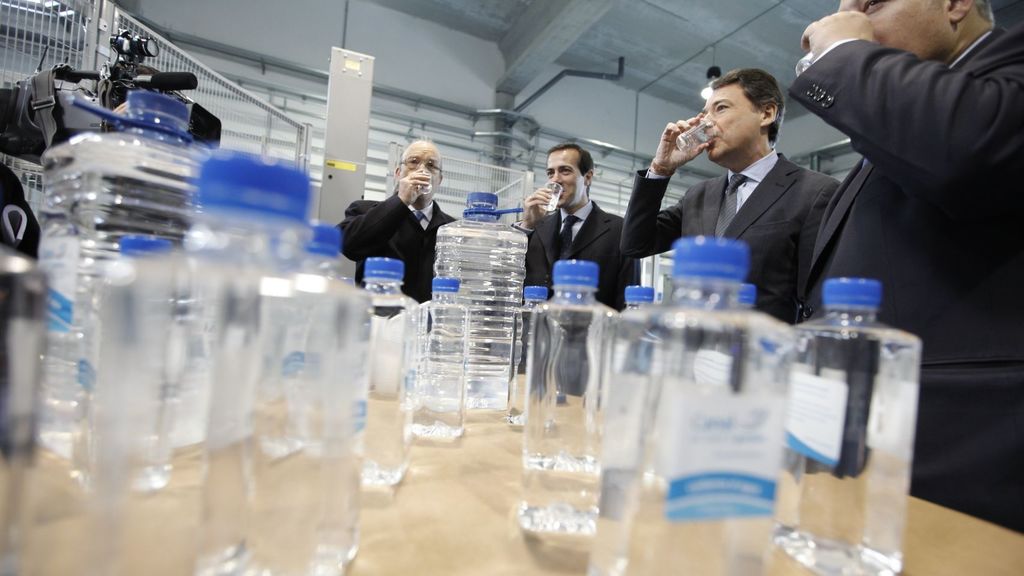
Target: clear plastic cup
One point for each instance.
(556, 195)
(697, 135)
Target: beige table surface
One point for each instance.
(454, 515)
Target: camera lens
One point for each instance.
(147, 47)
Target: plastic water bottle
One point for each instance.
(638, 297)
(99, 187)
(849, 436)
(152, 283)
(747, 296)
(562, 440)
(489, 259)
(23, 295)
(715, 443)
(252, 225)
(441, 369)
(392, 373)
(533, 296)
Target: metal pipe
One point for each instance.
(828, 151)
(577, 73)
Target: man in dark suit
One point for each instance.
(933, 97)
(405, 225)
(765, 200)
(578, 229)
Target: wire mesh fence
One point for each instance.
(41, 33)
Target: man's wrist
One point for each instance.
(661, 169)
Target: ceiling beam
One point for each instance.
(541, 34)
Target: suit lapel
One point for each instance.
(839, 206)
(593, 228)
(437, 219)
(774, 185)
(712, 205)
(547, 235)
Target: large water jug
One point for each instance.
(100, 187)
(488, 258)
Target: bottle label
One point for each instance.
(816, 415)
(58, 256)
(723, 455)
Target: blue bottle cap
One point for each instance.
(853, 292)
(155, 109)
(445, 284)
(482, 201)
(326, 240)
(535, 293)
(639, 294)
(235, 182)
(384, 269)
(747, 294)
(710, 257)
(136, 245)
(575, 273)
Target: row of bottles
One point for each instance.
(697, 433)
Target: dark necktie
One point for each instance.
(421, 218)
(565, 239)
(728, 211)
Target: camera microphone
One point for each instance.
(167, 81)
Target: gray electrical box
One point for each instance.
(345, 141)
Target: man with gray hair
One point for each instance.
(404, 226)
(932, 94)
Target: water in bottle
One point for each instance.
(849, 437)
(488, 258)
(533, 296)
(392, 373)
(99, 187)
(238, 245)
(562, 435)
(23, 294)
(714, 445)
(441, 367)
(638, 297)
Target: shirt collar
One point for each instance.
(969, 48)
(427, 210)
(757, 171)
(582, 213)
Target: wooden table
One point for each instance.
(454, 515)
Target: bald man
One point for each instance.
(405, 225)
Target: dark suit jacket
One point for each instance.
(779, 221)
(598, 241)
(389, 229)
(937, 217)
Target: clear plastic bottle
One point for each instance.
(392, 373)
(238, 246)
(489, 259)
(441, 371)
(638, 297)
(562, 435)
(747, 296)
(99, 187)
(714, 442)
(23, 295)
(850, 437)
(533, 296)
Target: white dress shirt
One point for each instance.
(428, 211)
(582, 214)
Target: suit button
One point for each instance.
(828, 101)
(807, 311)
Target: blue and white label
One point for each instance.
(816, 414)
(720, 455)
(58, 257)
(359, 415)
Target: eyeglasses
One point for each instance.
(415, 163)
